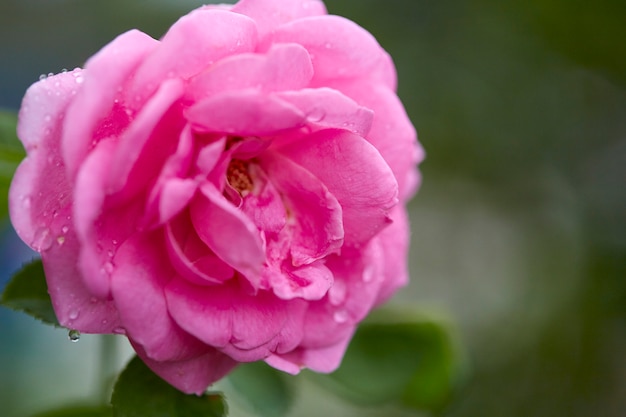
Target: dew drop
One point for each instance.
(337, 293)
(42, 240)
(65, 229)
(316, 115)
(119, 330)
(368, 274)
(108, 267)
(73, 335)
(50, 74)
(340, 316)
(104, 321)
(328, 45)
(93, 300)
(64, 70)
(26, 203)
(79, 79)
(73, 314)
(61, 240)
(42, 77)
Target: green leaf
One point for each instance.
(28, 292)
(11, 153)
(398, 358)
(263, 390)
(78, 411)
(140, 393)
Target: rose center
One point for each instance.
(238, 176)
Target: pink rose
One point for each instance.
(233, 192)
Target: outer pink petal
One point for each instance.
(223, 227)
(392, 132)
(75, 307)
(105, 73)
(89, 197)
(40, 206)
(40, 186)
(328, 108)
(340, 49)
(247, 327)
(269, 14)
(315, 212)
(139, 275)
(394, 242)
(283, 67)
(332, 319)
(150, 139)
(191, 45)
(323, 360)
(245, 113)
(191, 376)
(355, 173)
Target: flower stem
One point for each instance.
(108, 360)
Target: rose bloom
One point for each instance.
(231, 193)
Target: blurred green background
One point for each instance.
(519, 230)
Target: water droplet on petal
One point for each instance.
(65, 229)
(50, 74)
(61, 240)
(368, 274)
(74, 335)
(104, 321)
(42, 239)
(119, 330)
(26, 203)
(108, 266)
(337, 293)
(316, 115)
(42, 77)
(340, 316)
(47, 118)
(64, 70)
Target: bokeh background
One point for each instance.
(519, 230)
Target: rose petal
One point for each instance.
(190, 256)
(197, 40)
(315, 212)
(284, 67)
(394, 242)
(191, 376)
(104, 74)
(339, 47)
(222, 227)
(247, 327)
(269, 14)
(244, 113)
(364, 186)
(74, 305)
(145, 146)
(138, 279)
(402, 153)
(327, 108)
(40, 187)
(323, 360)
(330, 320)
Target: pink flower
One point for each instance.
(233, 192)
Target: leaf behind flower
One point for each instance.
(398, 358)
(140, 393)
(28, 292)
(11, 153)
